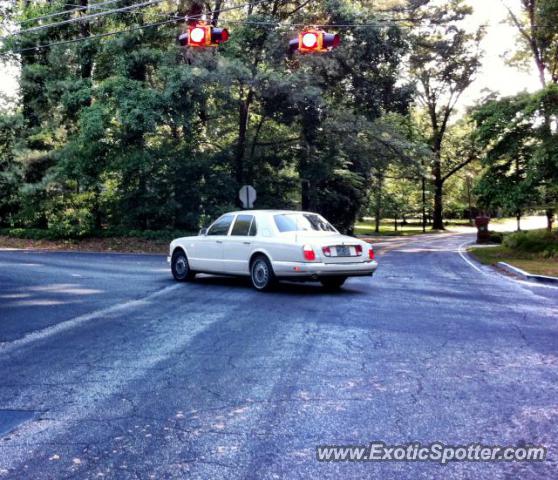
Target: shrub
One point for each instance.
(533, 241)
(496, 237)
(30, 233)
(72, 216)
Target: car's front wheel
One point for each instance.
(333, 283)
(261, 273)
(180, 267)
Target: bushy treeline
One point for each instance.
(132, 131)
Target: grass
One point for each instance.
(535, 251)
(387, 228)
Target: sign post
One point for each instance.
(247, 195)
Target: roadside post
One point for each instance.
(483, 235)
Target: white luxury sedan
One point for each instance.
(270, 245)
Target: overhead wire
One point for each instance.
(85, 17)
(139, 27)
(377, 23)
(78, 8)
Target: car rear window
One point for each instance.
(299, 222)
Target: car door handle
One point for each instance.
(246, 243)
(219, 241)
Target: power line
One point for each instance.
(77, 8)
(100, 35)
(157, 24)
(85, 17)
(376, 23)
(139, 27)
(126, 9)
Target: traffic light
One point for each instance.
(202, 35)
(313, 40)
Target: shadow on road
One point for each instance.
(290, 288)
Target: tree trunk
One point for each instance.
(86, 51)
(243, 114)
(305, 194)
(438, 220)
(549, 218)
(518, 218)
(378, 209)
(423, 204)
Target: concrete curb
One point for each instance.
(525, 275)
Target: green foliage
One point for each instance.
(10, 171)
(520, 151)
(165, 235)
(537, 37)
(72, 216)
(129, 132)
(533, 241)
(29, 233)
(496, 237)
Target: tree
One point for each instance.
(10, 171)
(537, 25)
(519, 152)
(444, 61)
(132, 131)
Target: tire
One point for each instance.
(333, 283)
(180, 267)
(261, 274)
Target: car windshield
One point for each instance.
(302, 222)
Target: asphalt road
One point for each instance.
(110, 369)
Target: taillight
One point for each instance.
(358, 249)
(371, 253)
(327, 251)
(308, 252)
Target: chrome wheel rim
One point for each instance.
(260, 274)
(180, 266)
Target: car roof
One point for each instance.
(254, 212)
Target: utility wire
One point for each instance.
(157, 24)
(139, 27)
(100, 35)
(126, 9)
(85, 17)
(377, 23)
(77, 8)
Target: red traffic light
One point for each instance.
(309, 40)
(197, 35)
(202, 35)
(313, 40)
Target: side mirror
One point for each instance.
(202, 232)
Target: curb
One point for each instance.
(525, 275)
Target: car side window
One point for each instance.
(242, 225)
(221, 226)
(253, 228)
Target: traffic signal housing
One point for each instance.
(313, 40)
(203, 35)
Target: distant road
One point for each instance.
(110, 369)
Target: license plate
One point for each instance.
(343, 251)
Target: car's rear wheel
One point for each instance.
(261, 273)
(180, 267)
(333, 283)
